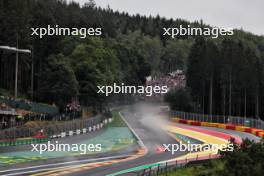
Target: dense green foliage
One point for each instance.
(180, 100)
(246, 160)
(226, 76)
(131, 48)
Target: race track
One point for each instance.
(148, 125)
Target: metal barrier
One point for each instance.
(50, 130)
(245, 121)
(166, 167)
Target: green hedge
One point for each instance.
(23, 142)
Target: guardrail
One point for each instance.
(54, 129)
(243, 121)
(163, 168)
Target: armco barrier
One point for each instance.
(220, 125)
(254, 131)
(240, 121)
(40, 139)
(50, 130)
(196, 123)
(163, 168)
(240, 128)
(231, 127)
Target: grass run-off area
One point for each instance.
(117, 120)
(116, 136)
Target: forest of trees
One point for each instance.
(224, 75)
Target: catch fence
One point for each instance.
(164, 168)
(50, 130)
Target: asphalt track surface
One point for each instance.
(152, 139)
(147, 127)
(42, 165)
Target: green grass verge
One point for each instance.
(117, 120)
(214, 167)
(189, 171)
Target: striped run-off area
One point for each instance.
(204, 135)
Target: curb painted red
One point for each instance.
(254, 131)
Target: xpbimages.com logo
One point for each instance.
(189, 147)
(58, 147)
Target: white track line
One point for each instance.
(140, 142)
(59, 164)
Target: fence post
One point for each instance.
(158, 170)
(176, 165)
(166, 171)
(149, 173)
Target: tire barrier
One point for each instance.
(254, 131)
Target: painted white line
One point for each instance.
(140, 142)
(64, 163)
(27, 172)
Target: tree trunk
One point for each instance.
(245, 103)
(224, 100)
(211, 96)
(257, 102)
(230, 95)
(203, 98)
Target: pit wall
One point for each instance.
(254, 131)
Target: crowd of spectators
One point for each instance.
(174, 80)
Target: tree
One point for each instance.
(195, 72)
(179, 100)
(58, 84)
(95, 64)
(245, 160)
(175, 55)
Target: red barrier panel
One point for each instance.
(248, 130)
(258, 132)
(230, 127)
(253, 131)
(196, 123)
(183, 121)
